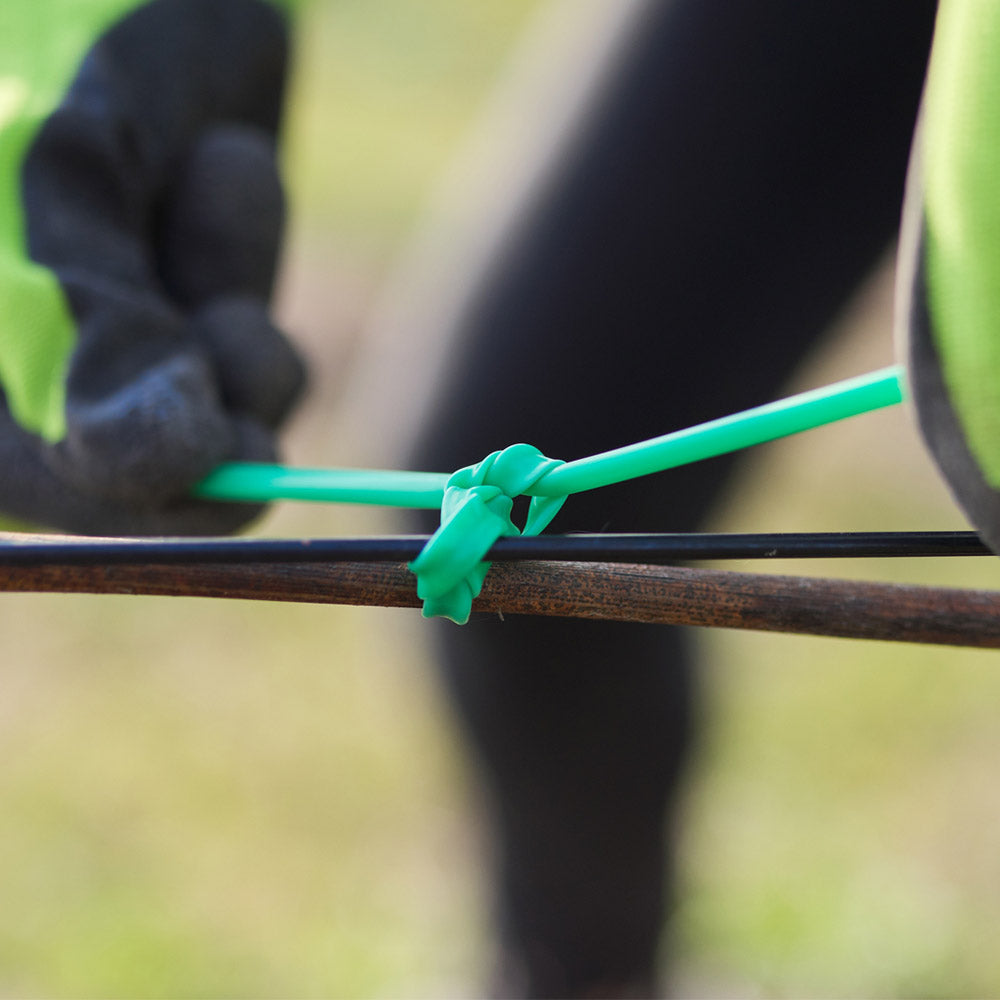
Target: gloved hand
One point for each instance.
(950, 261)
(136, 351)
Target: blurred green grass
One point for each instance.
(384, 92)
(207, 798)
(219, 799)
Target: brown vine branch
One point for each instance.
(628, 593)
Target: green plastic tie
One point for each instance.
(476, 502)
(258, 482)
(802, 412)
(476, 511)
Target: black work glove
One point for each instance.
(151, 193)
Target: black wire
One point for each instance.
(614, 548)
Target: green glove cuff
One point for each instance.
(960, 157)
(41, 45)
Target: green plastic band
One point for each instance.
(476, 502)
(785, 417)
(475, 513)
(251, 482)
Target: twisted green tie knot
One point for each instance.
(476, 511)
(476, 502)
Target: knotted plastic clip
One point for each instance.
(475, 512)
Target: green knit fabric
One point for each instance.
(42, 43)
(960, 155)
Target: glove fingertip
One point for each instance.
(259, 372)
